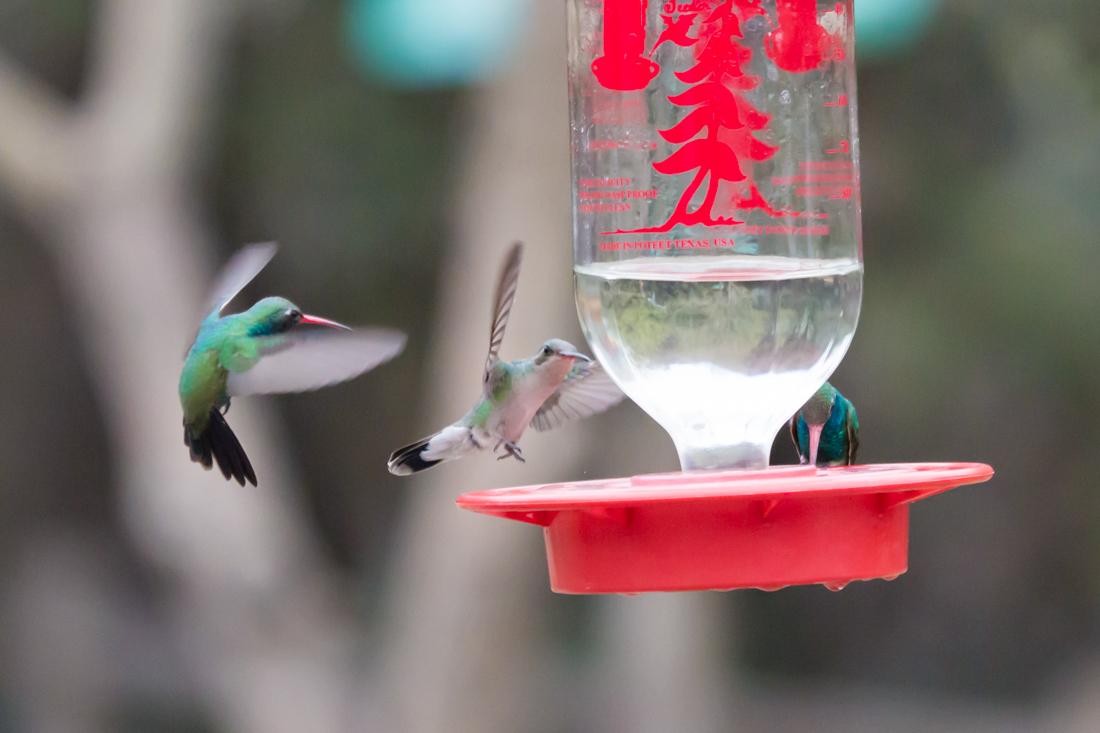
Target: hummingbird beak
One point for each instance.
(318, 321)
(575, 355)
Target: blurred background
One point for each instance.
(394, 148)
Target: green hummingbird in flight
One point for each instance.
(554, 386)
(262, 351)
(826, 430)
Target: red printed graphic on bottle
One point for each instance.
(799, 43)
(716, 138)
(622, 66)
(677, 28)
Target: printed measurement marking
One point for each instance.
(812, 178)
(841, 101)
(845, 193)
(818, 190)
(826, 165)
(842, 149)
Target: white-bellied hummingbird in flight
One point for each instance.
(826, 430)
(262, 351)
(554, 386)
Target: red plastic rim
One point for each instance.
(720, 530)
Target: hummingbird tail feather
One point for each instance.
(449, 443)
(217, 443)
(407, 461)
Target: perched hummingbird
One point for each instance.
(261, 351)
(826, 430)
(554, 386)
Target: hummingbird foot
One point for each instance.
(511, 450)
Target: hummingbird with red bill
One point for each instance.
(554, 386)
(826, 430)
(263, 350)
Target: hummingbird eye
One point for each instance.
(547, 351)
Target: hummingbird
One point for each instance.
(262, 351)
(554, 386)
(826, 430)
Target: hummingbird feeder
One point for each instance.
(719, 270)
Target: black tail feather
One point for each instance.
(407, 460)
(218, 443)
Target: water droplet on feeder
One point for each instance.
(836, 585)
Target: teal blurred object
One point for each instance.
(434, 43)
(887, 28)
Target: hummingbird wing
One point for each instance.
(851, 427)
(502, 303)
(792, 425)
(238, 272)
(299, 362)
(586, 390)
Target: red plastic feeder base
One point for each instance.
(719, 530)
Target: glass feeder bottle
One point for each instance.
(719, 271)
(717, 245)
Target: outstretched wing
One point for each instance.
(586, 390)
(238, 272)
(502, 303)
(299, 362)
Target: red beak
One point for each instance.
(317, 321)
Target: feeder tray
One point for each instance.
(719, 530)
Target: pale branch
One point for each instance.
(464, 620)
(37, 161)
(265, 628)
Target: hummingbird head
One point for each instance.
(817, 409)
(275, 315)
(557, 356)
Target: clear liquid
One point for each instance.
(721, 351)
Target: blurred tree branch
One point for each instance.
(467, 627)
(106, 182)
(36, 145)
(463, 654)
